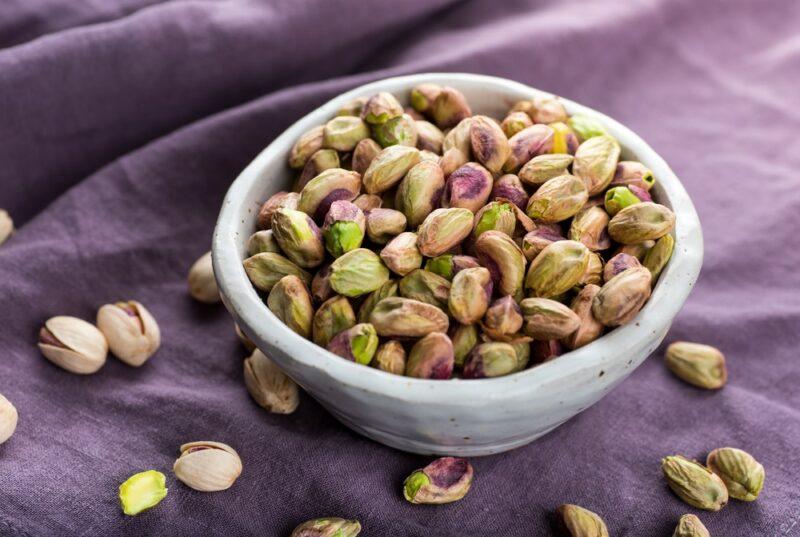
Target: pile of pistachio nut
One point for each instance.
(431, 242)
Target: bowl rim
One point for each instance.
(250, 311)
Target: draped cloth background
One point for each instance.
(123, 122)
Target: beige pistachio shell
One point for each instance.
(131, 332)
(81, 348)
(8, 419)
(202, 284)
(6, 226)
(207, 466)
(269, 386)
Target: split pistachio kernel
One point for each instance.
(142, 491)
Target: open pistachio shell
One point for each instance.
(73, 344)
(207, 466)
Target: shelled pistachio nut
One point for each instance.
(468, 187)
(506, 263)
(594, 271)
(344, 228)
(547, 319)
(619, 263)
(449, 107)
(589, 328)
(353, 107)
(495, 215)
(270, 387)
(508, 187)
(528, 143)
(390, 357)
(557, 200)
(332, 317)
(266, 269)
(131, 332)
(658, 256)
(445, 480)
(542, 168)
(742, 474)
(448, 265)
(557, 269)
(327, 527)
(694, 483)
(425, 286)
(73, 344)
(399, 130)
(541, 237)
(331, 185)
(429, 137)
(290, 301)
(590, 226)
(6, 226)
(308, 144)
(384, 224)
(423, 96)
(207, 466)
(384, 291)
(262, 241)
(585, 127)
(142, 491)
(357, 344)
(358, 272)
(405, 317)
(380, 108)
(443, 229)
(401, 254)
(595, 162)
(621, 298)
(630, 173)
(493, 359)
(366, 150)
(470, 294)
(202, 284)
(504, 317)
(279, 200)
(515, 122)
(641, 222)
(8, 419)
(431, 357)
(699, 365)
(576, 521)
(419, 192)
(619, 197)
(299, 237)
(464, 338)
(489, 143)
(690, 526)
(322, 160)
(389, 167)
(564, 140)
(344, 132)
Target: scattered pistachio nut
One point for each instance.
(445, 480)
(742, 474)
(202, 284)
(8, 419)
(207, 466)
(73, 344)
(270, 387)
(327, 527)
(131, 332)
(142, 491)
(6, 226)
(694, 483)
(577, 521)
(690, 526)
(699, 365)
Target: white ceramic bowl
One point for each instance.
(455, 417)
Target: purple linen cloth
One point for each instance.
(123, 122)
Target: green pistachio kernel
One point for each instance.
(142, 491)
(618, 198)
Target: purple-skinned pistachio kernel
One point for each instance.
(470, 294)
(445, 480)
(537, 240)
(331, 185)
(510, 187)
(640, 192)
(629, 172)
(431, 358)
(619, 263)
(357, 344)
(528, 143)
(344, 228)
(299, 237)
(492, 359)
(468, 187)
(544, 351)
(515, 122)
(500, 254)
(504, 316)
(277, 201)
(423, 95)
(489, 143)
(381, 107)
(449, 107)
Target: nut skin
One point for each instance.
(207, 466)
(431, 358)
(544, 351)
(448, 265)
(365, 152)
(423, 95)
(322, 160)
(595, 162)
(308, 144)
(526, 144)
(6, 226)
(262, 241)
(558, 199)
(73, 344)
(321, 289)
(464, 338)
(8, 419)
(420, 192)
(690, 526)
(401, 254)
(515, 122)
(367, 202)
(445, 480)
(585, 127)
(404, 317)
(327, 527)
(451, 160)
(358, 272)
(329, 186)
(742, 474)
(380, 108)
(400, 130)
(279, 200)
(384, 224)
(694, 483)
(290, 301)
(564, 140)
(509, 187)
(131, 332)
(470, 294)
(659, 255)
(202, 284)
(546, 319)
(343, 133)
(357, 344)
(621, 298)
(619, 197)
(641, 222)
(619, 263)
(504, 317)
(557, 269)
(589, 328)
(495, 215)
(489, 143)
(390, 357)
(426, 287)
(541, 237)
(576, 521)
(299, 237)
(443, 229)
(332, 317)
(542, 168)
(344, 228)
(389, 167)
(630, 173)
(429, 137)
(493, 359)
(142, 491)
(270, 387)
(266, 269)
(468, 187)
(504, 259)
(590, 226)
(449, 108)
(386, 290)
(697, 364)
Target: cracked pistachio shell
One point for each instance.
(495, 215)
(344, 132)
(658, 256)
(493, 359)
(365, 152)
(470, 294)
(353, 108)
(547, 319)
(400, 130)
(243, 339)
(694, 483)
(333, 316)
(547, 109)
(299, 237)
(542, 168)
(621, 298)
(515, 122)
(542, 236)
(429, 137)
(504, 316)
(405, 317)
(419, 192)
(448, 265)
(509, 187)
(344, 228)
(558, 199)
(431, 358)
(357, 344)
(445, 480)
(590, 226)
(589, 328)
(575, 521)
(423, 95)
(262, 241)
(449, 108)
(202, 284)
(690, 526)
(641, 222)
(327, 527)
(464, 338)
(142, 491)
(390, 357)
(443, 229)
(6, 226)
(500, 254)
(595, 162)
(631, 173)
(131, 332)
(266, 269)
(585, 127)
(329, 186)
(564, 140)
(619, 263)
(528, 143)
(321, 284)
(594, 271)
(322, 160)
(279, 200)
(401, 254)
(426, 287)
(389, 167)
(557, 268)
(308, 144)
(617, 198)
(468, 187)
(380, 108)
(384, 224)
(489, 143)
(290, 301)
(384, 291)
(73, 344)
(742, 474)
(8, 419)
(358, 272)
(699, 365)
(207, 466)
(269, 387)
